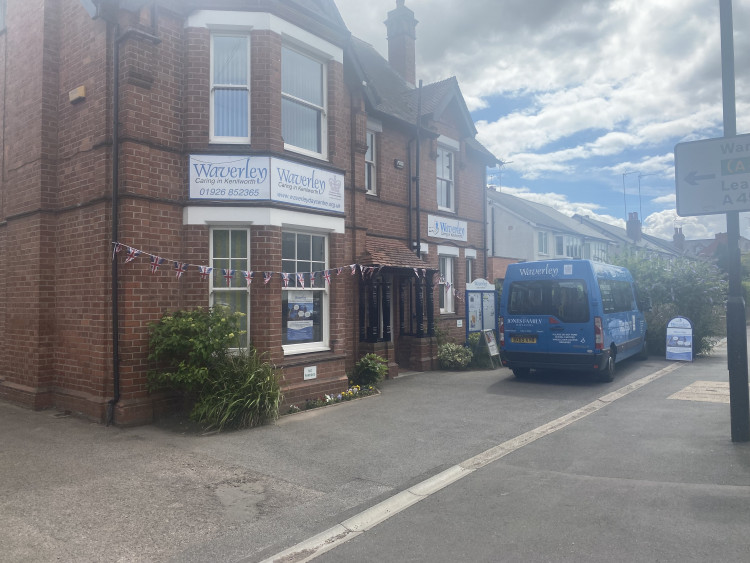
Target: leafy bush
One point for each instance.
(186, 345)
(680, 287)
(369, 370)
(231, 388)
(454, 356)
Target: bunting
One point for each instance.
(205, 272)
(155, 263)
(180, 268)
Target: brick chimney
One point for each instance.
(679, 239)
(633, 226)
(402, 37)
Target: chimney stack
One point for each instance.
(402, 37)
(679, 239)
(633, 226)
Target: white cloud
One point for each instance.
(596, 88)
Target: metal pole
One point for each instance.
(739, 403)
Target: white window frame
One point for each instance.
(217, 282)
(371, 159)
(447, 256)
(441, 181)
(543, 243)
(322, 110)
(213, 138)
(323, 344)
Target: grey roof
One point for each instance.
(544, 216)
(388, 94)
(647, 242)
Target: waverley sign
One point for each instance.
(262, 178)
(442, 227)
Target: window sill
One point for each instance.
(295, 349)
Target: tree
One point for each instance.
(695, 289)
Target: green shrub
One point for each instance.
(230, 388)
(454, 356)
(690, 288)
(243, 390)
(369, 370)
(186, 345)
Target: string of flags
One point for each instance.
(301, 278)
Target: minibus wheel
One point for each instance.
(608, 373)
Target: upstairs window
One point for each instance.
(230, 88)
(445, 191)
(303, 103)
(371, 185)
(542, 247)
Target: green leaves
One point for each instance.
(695, 289)
(196, 352)
(369, 370)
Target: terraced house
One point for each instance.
(172, 154)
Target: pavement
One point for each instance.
(643, 468)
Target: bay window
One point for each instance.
(230, 258)
(304, 292)
(230, 88)
(303, 102)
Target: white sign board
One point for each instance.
(261, 178)
(680, 339)
(713, 176)
(443, 227)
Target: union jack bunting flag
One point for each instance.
(416, 272)
(248, 277)
(133, 253)
(312, 279)
(301, 280)
(327, 276)
(354, 268)
(267, 277)
(205, 272)
(228, 275)
(155, 263)
(117, 248)
(180, 268)
(339, 270)
(424, 273)
(285, 277)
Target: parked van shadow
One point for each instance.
(544, 383)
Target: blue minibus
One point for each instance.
(569, 315)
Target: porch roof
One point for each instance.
(389, 253)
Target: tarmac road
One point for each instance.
(549, 469)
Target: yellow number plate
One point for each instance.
(523, 338)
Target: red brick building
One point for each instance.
(256, 138)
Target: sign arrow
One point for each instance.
(693, 178)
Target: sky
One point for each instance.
(583, 100)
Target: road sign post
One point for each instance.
(713, 176)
